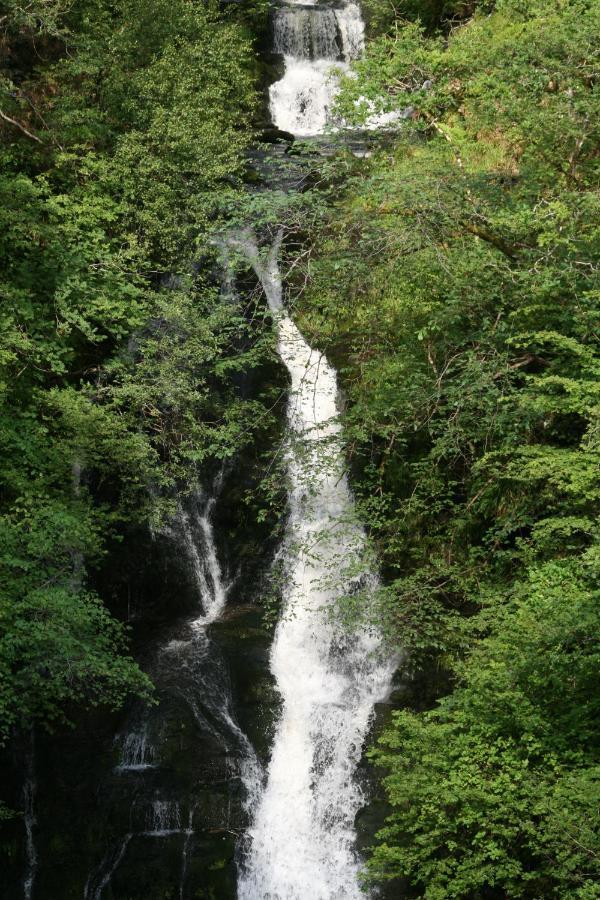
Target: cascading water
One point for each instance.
(301, 843)
(191, 675)
(164, 818)
(313, 40)
(29, 819)
(137, 752)
(100, 879)
(302, 834)
(193, 528)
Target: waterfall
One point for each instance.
(188, 669)
(137, 752)
(29, 819)
(98, 880)
(302, 834)
(164, 818)
(307, 33)
(192, 530)
(313, 40)
(185, 851)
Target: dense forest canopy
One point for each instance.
(451, 276)
(456, 285)
(123, 127)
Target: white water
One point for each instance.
(137, 753)
(97, 881)
(187, 666)
(195, 531)
(192, 530)
(29, 820)
(164, 818)
(184, 853)
(197, 536)
(314, 42)
(302, 834)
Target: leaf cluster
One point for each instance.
(455, 284)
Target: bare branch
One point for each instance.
(20, 127)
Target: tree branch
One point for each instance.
(493, 239)
(20, 127)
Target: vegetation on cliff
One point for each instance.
(452, 277)
(122, 127)
(455, 283)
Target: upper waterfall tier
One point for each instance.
(313, 40)
(318, 33)
(307, 33)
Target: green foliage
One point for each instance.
(455, 285)
(122, 369)
(498, 787)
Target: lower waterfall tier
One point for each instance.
(302, 837)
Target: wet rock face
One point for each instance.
(149, 804)
(158, 816)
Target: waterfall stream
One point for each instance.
(301, 842)
(190, 672)
(29, 819)
(314, 41)
(302, 833)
